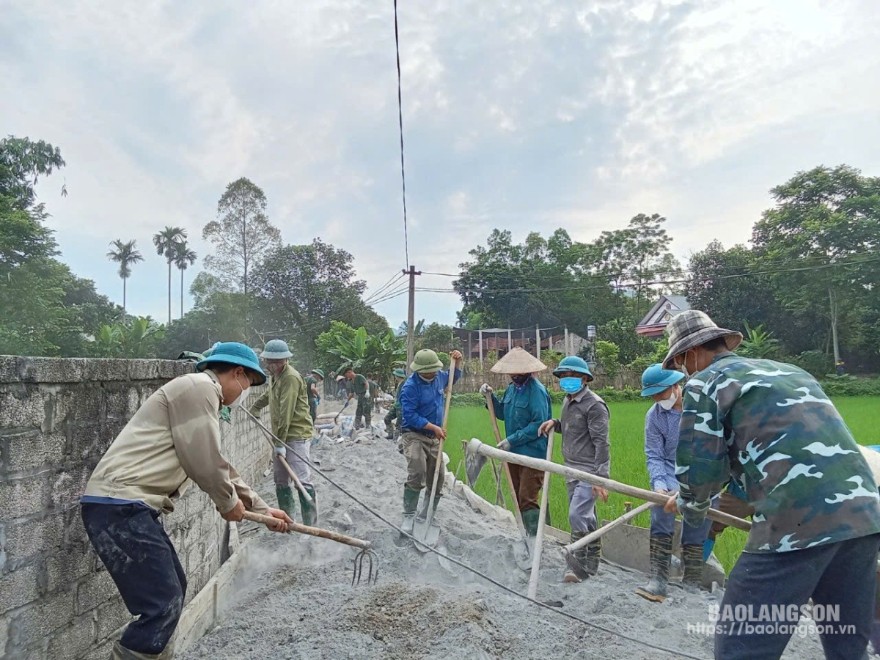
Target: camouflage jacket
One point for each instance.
(771, 423)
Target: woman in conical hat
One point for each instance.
(524, 405)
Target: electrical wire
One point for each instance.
(378, 292)
(674, 652)
(622, 285)
(394, 294)
(400, 123)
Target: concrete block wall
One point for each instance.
(57, 417)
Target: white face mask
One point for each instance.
(684, 368)
(241, 398)
(669, 402)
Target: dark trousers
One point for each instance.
(139, 556)
(838, 574)
(363, 414)
(527, 483)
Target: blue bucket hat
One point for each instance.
(276, 349)
(573, 363)
(655, 379)
(232, 352)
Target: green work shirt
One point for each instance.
(288, 406)
(360, 385)
(310, 381)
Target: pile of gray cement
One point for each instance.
(294, 598)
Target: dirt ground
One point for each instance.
(294, 598)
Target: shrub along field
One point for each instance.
(627, 458)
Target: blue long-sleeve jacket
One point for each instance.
(421, 403)
(523, 409)
(661, 443)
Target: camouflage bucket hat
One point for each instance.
(694, 328)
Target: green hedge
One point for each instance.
(851, 386)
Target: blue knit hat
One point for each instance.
(232, 352)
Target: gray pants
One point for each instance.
(421, 461)
(300, 467)
(581, 506)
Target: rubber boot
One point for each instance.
(594, 554)
(708, 547)
(661, 556)
(389, 431)
(577, 564)
(309, 509)
(530, 521)
(410, 504)
(285, 500)
(692, 558)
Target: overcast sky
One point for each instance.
(522, 115)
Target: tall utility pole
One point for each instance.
(411, 316)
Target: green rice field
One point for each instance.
(627, 458)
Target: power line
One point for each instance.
(624, 285)
(394, 279)
(400, 122)
(389, 296)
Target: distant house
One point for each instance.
(654, 322)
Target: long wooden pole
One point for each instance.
(311, 531)
(542, 518)
(477, 447)
(599, 533)
(516, 512)
(439, 460)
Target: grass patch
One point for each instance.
(627, 459)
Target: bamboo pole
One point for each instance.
(439, 461)
(477, 447)
(542, 518)
(599, 533)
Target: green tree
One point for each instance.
(375, 354)
(47, 310)
(242, 235)
(183, 258)
(303, 287)
(729, 286)
(759, 343)
(137, 339)
(166, 242)
(125, 253)
(608, 356)
(637, 255)
(826, 222)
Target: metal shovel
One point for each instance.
(425, 531)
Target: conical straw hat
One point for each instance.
(518, 361)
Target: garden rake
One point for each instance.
(366, 556)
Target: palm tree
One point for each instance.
(183, 257)
(125, 254)
(165, 241)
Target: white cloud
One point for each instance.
(519, 114)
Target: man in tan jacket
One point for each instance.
(174, 438)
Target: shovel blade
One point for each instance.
(426, 535)
(522, 555)
(473, 464)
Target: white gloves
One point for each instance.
(504, 445)
(280, 451)
(484, 388)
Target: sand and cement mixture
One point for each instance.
(294, 598)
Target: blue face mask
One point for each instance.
(571, 384)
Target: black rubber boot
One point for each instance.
(577, 562)
(594, 554)
(661, 555)
(692, 559)
(309, 509)
(285, 500)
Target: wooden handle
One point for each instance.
(311, 531)
(516, 512)
(542, 519)
(599, 533)
(477, 447)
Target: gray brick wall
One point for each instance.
(57, 417)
